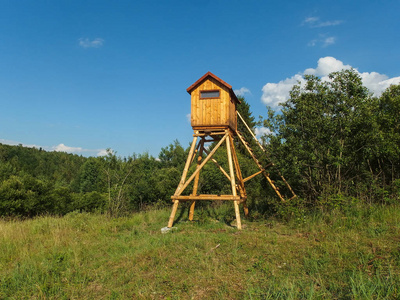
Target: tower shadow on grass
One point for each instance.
(225, 216)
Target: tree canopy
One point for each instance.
(334, 138)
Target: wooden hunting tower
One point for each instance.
(214, 120)
(213, 104)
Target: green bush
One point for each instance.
(25, 196)
(90, 202)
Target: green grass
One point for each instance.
(351, 254)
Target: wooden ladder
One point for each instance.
(259, 165)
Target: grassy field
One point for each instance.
(352, 254)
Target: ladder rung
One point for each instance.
(269, 165)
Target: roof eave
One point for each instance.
(191, 88)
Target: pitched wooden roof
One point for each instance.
(209, 74)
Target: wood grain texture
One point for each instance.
(211, 113)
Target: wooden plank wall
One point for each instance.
(232, 115)
(212, 112)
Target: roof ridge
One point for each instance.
(190, 88)
(209, 74)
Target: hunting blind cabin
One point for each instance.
(214, 120)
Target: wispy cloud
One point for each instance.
(312, 43)
(15, 143)
(329, 41)
(310, 20)
(78, 150)
(329, 23)
(87, 43)
(322, 41)
(276, 93)
(63, 148)
(242, 91)
(315, 22)
(59, 148)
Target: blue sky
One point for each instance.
(83, 76)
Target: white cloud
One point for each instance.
(377, 83)
(315, 22)
(9, 142)
(102, 152)
(329, 23)
(79, 150)
(87, 43)
(322, 40)
(260, 131)
(329, 41)
(327, 65)
(59, 148)
(242, 91)
(310, 20)
(63, 148)
(275, 93)
(15, 143)
(189, 118)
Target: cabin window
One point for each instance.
(209, 94)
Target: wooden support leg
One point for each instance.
(233, 184)
(196, 180)
(241, 187)
(181, 183)
(237, 213)
(191, 210)
(172, 217)
(246, 210)
(187, 165)
(239, 176)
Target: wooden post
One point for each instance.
(233, 184)
(172, 217)
(183, 178)
(245, 209)
(196, 180)
(191, 210)
(242, 189)
(187, 165)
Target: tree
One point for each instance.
(117, 172)
(90, 176)
(173, 155)
(388, 152)
(324, 133)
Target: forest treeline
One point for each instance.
(34, 181)
(333, 140)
